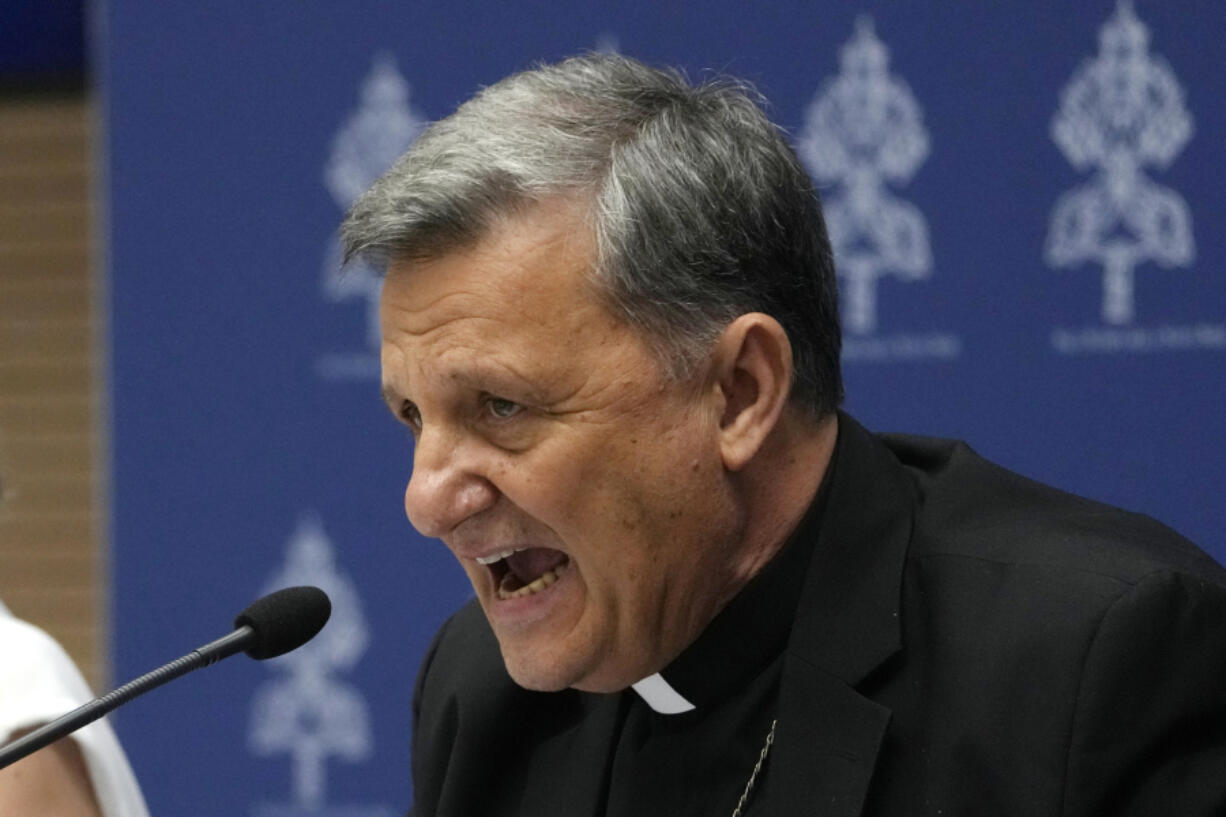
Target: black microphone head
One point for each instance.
(285, 620)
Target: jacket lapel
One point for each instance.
(847, 626)
(826, 745)
(582, 788)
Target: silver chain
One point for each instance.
(757, 768)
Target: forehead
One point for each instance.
(525, 289)
(539, 262)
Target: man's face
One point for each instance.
(546, 430)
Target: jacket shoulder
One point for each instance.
(475, 729)
(973, 508)
(461, 669)
(462, 673)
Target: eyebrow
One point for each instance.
(484, 378)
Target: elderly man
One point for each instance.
(609, 322)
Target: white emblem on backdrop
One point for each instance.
(372, 138)
(1121, 112)
(864, 130)
(308, 711)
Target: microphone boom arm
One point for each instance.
(273, 625)
(86, 714)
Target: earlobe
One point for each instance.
(753, 362)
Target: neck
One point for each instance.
(781, 483)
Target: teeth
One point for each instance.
(538, 584)
(494, 557)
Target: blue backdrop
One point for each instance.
(1026, 200)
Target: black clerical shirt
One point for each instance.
(698, 762)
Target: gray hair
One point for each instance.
(700, 209)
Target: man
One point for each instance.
(609, 323)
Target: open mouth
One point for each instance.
(525, 571)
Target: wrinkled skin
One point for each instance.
(541, 420)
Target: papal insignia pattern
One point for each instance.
(308, 710)
(372, 138)
(1122, 112)
(864, 132)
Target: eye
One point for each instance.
(410, 414)
(502, 408)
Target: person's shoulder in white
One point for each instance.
(87, 774)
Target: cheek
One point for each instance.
(654, 526)
(626, 505)
(556, 479)
(542, 487)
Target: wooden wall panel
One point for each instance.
(51, 569)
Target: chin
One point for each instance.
(555, 675)
(537, 675)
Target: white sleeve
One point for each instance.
(38, 683)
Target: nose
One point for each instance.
(447, 485)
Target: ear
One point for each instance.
(753, 370)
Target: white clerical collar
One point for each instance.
(660, 695)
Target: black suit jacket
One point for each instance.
(968, 642)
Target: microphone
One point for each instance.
(271, 626)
